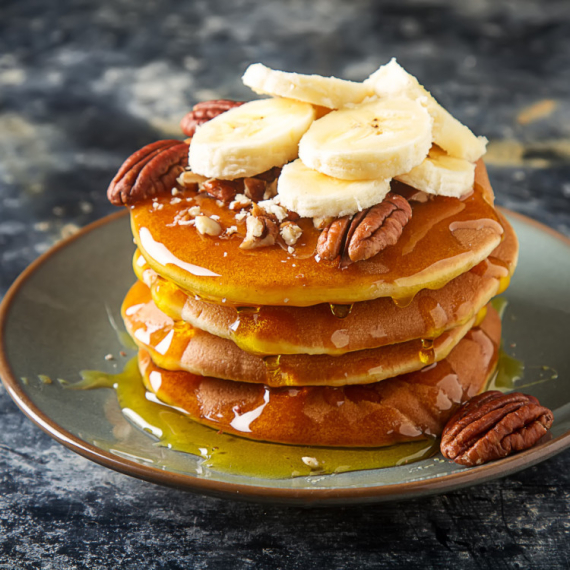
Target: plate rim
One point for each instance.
(291, 496)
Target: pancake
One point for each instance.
(319, 330)
(176, 345)
(445, 238)
(405, 408)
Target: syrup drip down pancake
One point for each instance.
(404, 408)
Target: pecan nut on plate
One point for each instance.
(493, 425)
(362, 236)
(204, 112)
(150, 171)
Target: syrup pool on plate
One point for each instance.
(171, 428)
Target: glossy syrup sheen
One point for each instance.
(176, 344)
(445, 237)
(227, 453)
(332, 328)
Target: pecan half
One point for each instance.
(150, 171)
(494, 425)
(362, 236)
(204, 112)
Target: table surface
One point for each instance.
(83, 84)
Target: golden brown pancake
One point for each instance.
(319, 330)
(176, 345)
(405, 408)
(445, 238)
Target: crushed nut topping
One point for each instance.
(273, 208)
(207, 226)
(270, 190)
(241, 201)
(189, 179)
(261, 231)
(290, 232)
(182, 218)
(254, 188)
(224, 190)
(322, 223)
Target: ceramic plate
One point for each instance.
(59, 317)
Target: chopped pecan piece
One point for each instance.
(254, 188)
(150, 171)
(261, 231)
(208, 226)
(494, 425)
(270, 175)
(204, 112)
(224, 190)
(290, 233)
(362, 236)
(240, 202)
(322, 223)
(190, 180)
(270, 190)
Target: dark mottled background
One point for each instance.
(85, 83)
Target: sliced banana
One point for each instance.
(376, 140)
(250, 139)
(329, 92)
(315, 195)
(442, 175)
(392, 80)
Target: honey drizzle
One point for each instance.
(403, 302)
(427, 352)
(273, 368)
(341, 311)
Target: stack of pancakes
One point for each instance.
(281, 346)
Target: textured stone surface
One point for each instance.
(83, 84)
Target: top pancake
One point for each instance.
(325, 329)
(445, 238)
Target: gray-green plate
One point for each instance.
(58, 319)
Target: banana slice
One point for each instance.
(376, 140)
(315, 195)
(442, 175)
(392, 80)
(328, 92)
(250, 139)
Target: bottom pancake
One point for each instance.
(408, 407)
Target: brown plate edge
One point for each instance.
(306, 497)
